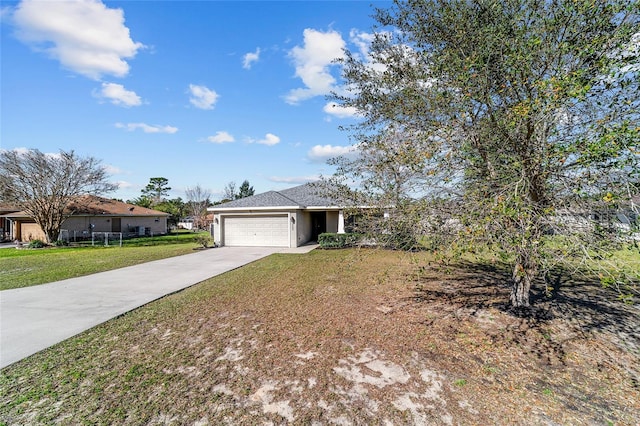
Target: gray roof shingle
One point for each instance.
(299, 196)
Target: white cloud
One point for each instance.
(250, 58)
(118, 95)
(313, 62)
(202, 97)
(122, 184)
(339, 111)
(146, 128)
(322, 153)
(85, 36)
(112, 170)
(19, 150)
(362, 40)
(269, 139)
(5, 12)
(294, 179)
(24, 151)
(221, 137)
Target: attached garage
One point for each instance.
(287, 218)
(256, 230)
(31, 231)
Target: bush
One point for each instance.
(204, 240)
(36, 244)
(331, 240)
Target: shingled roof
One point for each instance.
(298, 197)
(91, 205)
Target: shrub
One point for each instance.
(331, 240)
(204, 240)
(36, 244)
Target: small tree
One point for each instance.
(198, 199)
(229, 192)
(246, 190)
(45, 185)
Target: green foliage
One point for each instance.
(36, 244)
(500, 122)
(334, 240)
(156, 190)
(204, 240)
(176, 209)
(246, 190)
(142, 201)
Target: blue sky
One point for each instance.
(200, 92)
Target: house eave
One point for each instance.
(246, 209)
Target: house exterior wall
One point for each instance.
(79, 226)
(303, 223)
(300, 227)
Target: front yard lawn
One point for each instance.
(27, 267)
(343, 337)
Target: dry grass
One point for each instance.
(342, 337)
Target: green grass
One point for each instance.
(23, 268)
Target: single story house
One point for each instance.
(287, 218)
(193, 223)
(90, 213)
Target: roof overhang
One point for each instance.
(282, 208)
(248, 209)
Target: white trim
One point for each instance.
(251, 209)
(340, 222)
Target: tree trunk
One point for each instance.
(523, 274)
(51, 235)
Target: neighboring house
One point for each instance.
(186, 223)
(287, 218)
(94, 214)
(195, 223)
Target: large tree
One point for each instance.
(523, 115)
(46, 185)
(156, 190)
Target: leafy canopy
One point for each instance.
(507, 120)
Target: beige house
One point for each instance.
(93, 214)
(287, 218)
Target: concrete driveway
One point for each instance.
(34, 318)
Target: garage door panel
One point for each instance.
(31, 231)
(256, 231)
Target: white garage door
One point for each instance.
(271, 231)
